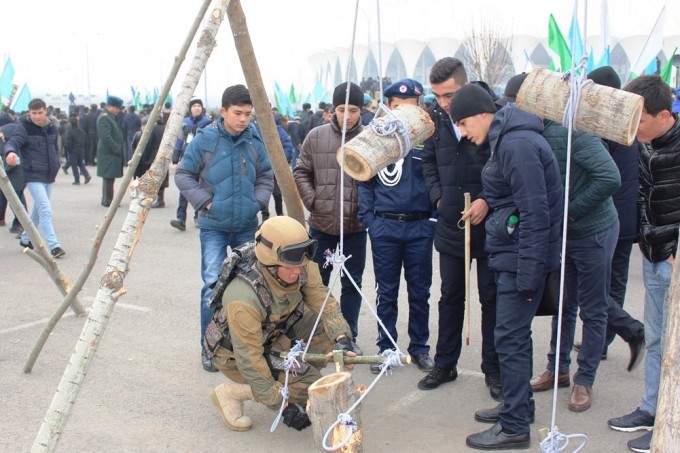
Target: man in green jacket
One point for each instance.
(110, 157)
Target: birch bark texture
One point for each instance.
(368, 153)
(607, 112)
(142, 193)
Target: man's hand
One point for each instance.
(345, 344)
(295, 416)
(11, 159)
(477, 212)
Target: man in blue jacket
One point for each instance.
(396, 208)
(36, 143)
(521, 178)
(227, 177)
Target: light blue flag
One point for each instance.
(282, 101)
(604, 60)
(652, 68)
(6, 79)
(575, 41)
(21, 101)
(591, 61)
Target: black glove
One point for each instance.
(295, 417)
(343, 343)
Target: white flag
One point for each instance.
(652, 47)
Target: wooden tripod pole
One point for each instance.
(468, 261)
(251, 71)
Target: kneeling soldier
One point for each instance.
(272, 300)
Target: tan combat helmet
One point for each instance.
(283, 241)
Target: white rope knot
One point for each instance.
(343, 419)
(577, 80)
(556, 442)
(290, 365)
(385, 123)
(331, 258)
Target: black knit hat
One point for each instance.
(605, 76)
(356, 96)
(470, 100)
(512, 88)
(195, 101)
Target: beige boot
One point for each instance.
(228, 399)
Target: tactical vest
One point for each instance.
(217, 332)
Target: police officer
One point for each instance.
(396, 208)
(273, 300)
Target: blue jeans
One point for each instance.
(350, 298)
(452, 312)
(657, 279)
(41, 214)
(213, 252)
(586, 284)
(515, 351)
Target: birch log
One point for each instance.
(272, 142)
(667, 423)
(607, 112)
(328, 397)
(41, 254)
(111, 285)
(368, 153)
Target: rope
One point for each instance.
(556, 442)
(387, 124)
(290, 365)
(391, 358)
(571, 109)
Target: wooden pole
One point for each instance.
(111, 285)
(468, 261)
(251, 70)
(667, 423)
(329, 397)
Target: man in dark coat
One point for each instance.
(452, 166)
(34, 146)
(110, 147)
(521, 178)
(131, 124)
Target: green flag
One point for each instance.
(558, 45)
(667, 69)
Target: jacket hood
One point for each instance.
(509, 119)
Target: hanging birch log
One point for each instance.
(328, 397)
(667, 423)
(111, 285)
(270, 135)
(604, 111)
(368, 153)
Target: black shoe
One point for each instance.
(493, 382)
(87, 179)
(493, 415)
(637, 420)
(423, 361)
(16, 228)
(76, 183)
(495, 439)
(65, 168)
(158, 204)
(208, 363)
(641, 444)
(22, 245)
(577, 348)
(637, 350)
(57, 252)
(375, 368)
(181, 226)
(437, 377)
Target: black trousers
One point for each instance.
(619, 322)
(107, 191)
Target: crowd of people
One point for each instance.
(512, 163)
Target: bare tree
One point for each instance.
(488, 47)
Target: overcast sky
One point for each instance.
(87, 46)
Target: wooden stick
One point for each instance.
(468, 261)
(321, 359)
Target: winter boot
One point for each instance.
(228, 399)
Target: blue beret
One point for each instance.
(367, 98)
(115, 101)
(404, 88)
(428, 98)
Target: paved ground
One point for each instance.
(146, 391)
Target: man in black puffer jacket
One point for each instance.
(452, 166)
(659, 214)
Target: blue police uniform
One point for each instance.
(396, 208)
